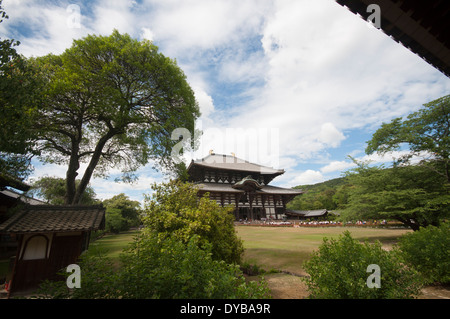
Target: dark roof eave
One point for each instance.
(7, 180)
(14, 225)
(276, 173)
(228, 188)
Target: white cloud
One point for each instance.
(147, 34)
(308, 177)
(310, 69)
(337, 166)
(373, 159)
(110, 15)
(107, 188)
(326, 73)
(200, 24)
(330, 135)
(46, 170)
(205, 102)
(51, 27)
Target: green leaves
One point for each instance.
(417, 195)
(19, 90)
(425, 132)
(110, 101)
(411, 194)
(428, 250)
(338, 270)
(121, 213)
(175, 209)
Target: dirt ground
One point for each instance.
(285, 286)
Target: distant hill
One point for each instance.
(329, 195)
(332, 183)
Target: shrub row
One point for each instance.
(343, 268)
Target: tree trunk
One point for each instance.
(71, 176)
(408, 222)
(91, 167)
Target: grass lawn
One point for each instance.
(286, 248)
(283, 248)
(279, 248)
(113, 244)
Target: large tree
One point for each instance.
(53, 191)
(411, 194)
(426, 133)
(416, 193)
(19, 90)
(110, 101)
(123, 209)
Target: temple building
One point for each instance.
(232, 181)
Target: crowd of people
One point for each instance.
(323, 223)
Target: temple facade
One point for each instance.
(234, 182)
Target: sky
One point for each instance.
(291, 84)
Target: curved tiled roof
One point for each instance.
(49, 218)
(228, 188)
(226, 162)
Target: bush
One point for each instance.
(99, 280)
(114, 222)
(175, 209)
(428, 250)
(168, 269)
(338, 270)
(159, 268)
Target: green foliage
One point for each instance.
(121, 213)
(413, 195)
(114, 221)
(53, 190)
(416, 195)
(338, 270)
(175, 209)
(159, 268)
(327, 195)
(428, 250)
(19, 90)
(426, 132)
(108, 101)
(168, 268)
(99, 280)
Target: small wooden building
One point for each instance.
(307, 214)
(49, 239)
(245, 186)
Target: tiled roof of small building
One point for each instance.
(49, 218)
(307, 213)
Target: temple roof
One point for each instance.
(421, 26)
(50, 218)
(227, 162)
(228, 188)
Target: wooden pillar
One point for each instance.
(236, 209)
(275, 206)
(283, 199)
(250, 200)
(263, 199)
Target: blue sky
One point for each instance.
(293, 84)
